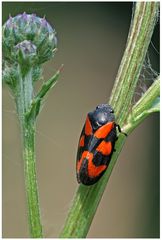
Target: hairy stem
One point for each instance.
(23, 100)
(149, 103)
(141, 29)
(30, 179)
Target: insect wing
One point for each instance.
(85, 139)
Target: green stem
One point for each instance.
(23, 100)
(144, 107)
(86, 200)
(141, 29)
(30, 179)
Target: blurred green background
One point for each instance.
(91, 41)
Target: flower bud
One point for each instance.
(25, 53)
(31, 35)
(9, 74)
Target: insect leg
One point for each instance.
(119, 129)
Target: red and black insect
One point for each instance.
(96, 144)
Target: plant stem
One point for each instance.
(86, 200)
(30, 179)
(141, 29)
(23, 100)
(144, 107)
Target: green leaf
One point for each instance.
(36, 103)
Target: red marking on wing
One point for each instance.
(103, 131)
(81, 142)
(105, 148)
(86, 155)
(88, 127)
(93, 171)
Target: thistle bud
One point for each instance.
(30, 36)
(9, 74)
(25, 53)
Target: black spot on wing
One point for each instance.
(80, 149)
(93, 143)
(112, 136)
(87, 143)
(83, 177)
(99, 159)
